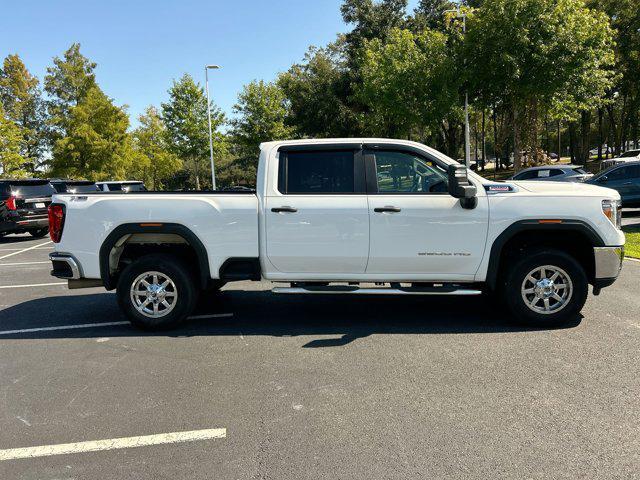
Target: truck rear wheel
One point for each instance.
(156, 292)
(545, 288)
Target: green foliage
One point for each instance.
(96, 144)
(11, 136)
(556, 52)
(67, 83)
(152, 160)
(261, 112)
(317, 90)
(409, 82)
(185, 116)
(22, 102)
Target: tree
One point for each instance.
(261, 112)
(430, 14)
(185, 116)
(317, 90)
(537, 54)
(152, 160)
(410, 82)
(371, 19)
(21, 98)
(11, 162)
(96, 144)
(68, 82)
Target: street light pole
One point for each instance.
(467, 132)
(206, 75)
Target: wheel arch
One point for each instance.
(109, 280)
(567, 230)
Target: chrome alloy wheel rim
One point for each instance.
(547, 289)
(154, 294)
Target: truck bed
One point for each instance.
(223, 221)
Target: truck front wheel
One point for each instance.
(156, 292)
(545, 288)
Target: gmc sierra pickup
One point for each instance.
(346, 216)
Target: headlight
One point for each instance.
(613, 211)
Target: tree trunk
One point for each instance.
(559, 142)
(496, 150)
(600, 139)
(517, 158)
(484, 141)
(585, 135)
(572, 141)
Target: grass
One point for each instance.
(632, 247)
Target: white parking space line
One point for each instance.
(25, 250)
(94, 325)
(213, 315)
(112, 444)
(23, 263)
(63, 327)
(34, 285)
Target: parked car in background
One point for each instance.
(555, 173)
(626, 157)
(23, 206)
(73, 186)
(122, 186)
(625, 179)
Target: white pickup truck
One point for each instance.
(346, 216)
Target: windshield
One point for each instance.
(630, 153)
(82, 188)
(134, 187)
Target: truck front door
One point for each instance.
(318, 221)
(417, 228)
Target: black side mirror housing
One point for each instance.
(603, 179)
(460, 186)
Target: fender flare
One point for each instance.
(130, 228)
(534, 225)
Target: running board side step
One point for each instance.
(378, 291)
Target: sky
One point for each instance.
(140, 46)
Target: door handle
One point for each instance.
(387, 210)
(627, 183)
(285, 209)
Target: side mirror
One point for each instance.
(460, 186)
(602, 179)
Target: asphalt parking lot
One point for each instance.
(297, 387)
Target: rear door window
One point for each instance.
(316, 172)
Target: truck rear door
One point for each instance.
(318, 219)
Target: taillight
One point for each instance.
(56, 221)
(11, 203)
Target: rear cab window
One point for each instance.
(317, 172)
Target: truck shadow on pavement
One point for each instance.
(264, 313)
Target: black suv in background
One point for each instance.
(63, 185)
(23, 206)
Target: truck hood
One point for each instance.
(566, 189)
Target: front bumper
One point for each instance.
(608, 261)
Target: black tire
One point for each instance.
(184, 285)
(559, 313)
(39, 233)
